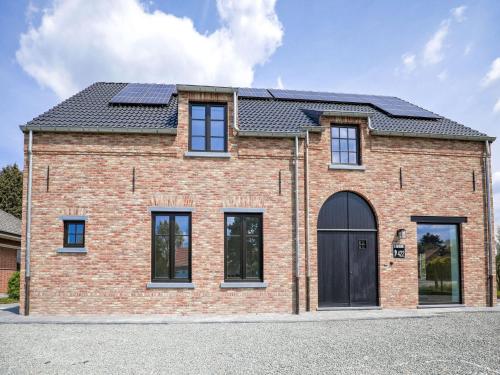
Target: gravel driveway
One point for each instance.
(457, 343)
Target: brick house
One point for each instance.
(10, 247)
(193, 199)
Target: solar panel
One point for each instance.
(400, 108)
(391, 105)
(144, 93)
(248, 92)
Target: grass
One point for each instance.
(498, 293)
(5, 300)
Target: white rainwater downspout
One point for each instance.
(297, 237)
(306, 245)
(28, 228)
(235, 112)
(487, 178)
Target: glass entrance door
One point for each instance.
(438, 264)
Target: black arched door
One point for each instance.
(347, 252)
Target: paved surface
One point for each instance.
(437, 343)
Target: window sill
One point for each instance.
(447, 306)
(243, 284)
(72, 250)
(170, 286)
(347, 167)
(204, 154)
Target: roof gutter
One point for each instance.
(213, 89)
(433, 136)
(339, 113)
(248, 133)
(97, 129)
(10, 237)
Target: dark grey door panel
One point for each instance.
(347, 252)
(333, 268)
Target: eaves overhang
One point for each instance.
(96, 129)
(459, 137)
(212, 89)
(266, 134)
(339, 113)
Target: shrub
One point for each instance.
(13, 288)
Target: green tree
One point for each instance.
(11, 190)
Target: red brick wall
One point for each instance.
(92, 175)
(8, 265)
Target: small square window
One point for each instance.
(361, 244)
(74, 233)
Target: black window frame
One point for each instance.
(208, 136)
(358, 143)
(243, 235)
(171, 235)
(443, 220)
(67, 223)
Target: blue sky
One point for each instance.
(438, 54)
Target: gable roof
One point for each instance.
(9, 224)
(91, 110)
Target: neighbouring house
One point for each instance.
(184, 199)
(10, 248)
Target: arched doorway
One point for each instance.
(347, 252)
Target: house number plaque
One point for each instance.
(398, 250)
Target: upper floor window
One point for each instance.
(243, 258)
(171, 242)
(74, 233)
(345, 144)
(208, 128)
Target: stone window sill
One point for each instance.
(242, 285)
(170, 286)
(444, 306)
(203, 154)
(347, 167)
(72, 250)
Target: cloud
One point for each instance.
(443, 75)
(81, 41)
(493, 74)
(458, 13)
(433, 50)
(467, 49)
(496, 108)
(279, 83)
(409, 61)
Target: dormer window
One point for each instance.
(345, 145)
(207, 128)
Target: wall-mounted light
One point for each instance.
(401, 233)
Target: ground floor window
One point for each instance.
(171, 247)
(438, 264)
(243, 249)
(74, 233)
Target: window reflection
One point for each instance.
(243, 247)
(171, 244)
(345, 145)
(438, 264)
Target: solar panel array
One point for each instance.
(247, 92)
(391, 105)
(144, 93)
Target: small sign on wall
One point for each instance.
(398, 250)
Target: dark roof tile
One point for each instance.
(91, 108)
